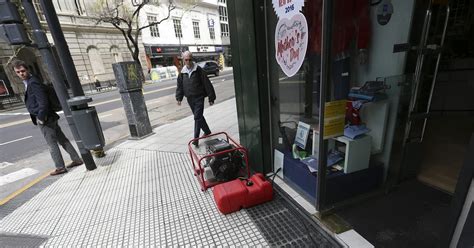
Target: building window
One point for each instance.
(224, 29)
(197, 34)
(177, 28)
(96, 60)
(66, 6)
(116, 54)
(212, 33)
(222, 1)
(154, 31)
(223, 13)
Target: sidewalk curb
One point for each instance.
(24, 188)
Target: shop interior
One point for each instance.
(402, 71)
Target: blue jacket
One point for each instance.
(37, 103)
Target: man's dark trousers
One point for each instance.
(53, 135)
(197, 106)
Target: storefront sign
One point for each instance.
(157, 50)
(291, 41)
(287, 8)
(334, 118)
(302, 133)
(210, 23)
(201, 49)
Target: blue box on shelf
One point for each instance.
(339, 186)
(297, 175)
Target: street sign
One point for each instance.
(14, 34)
(9, 13)
(210, 23)
(12, 29)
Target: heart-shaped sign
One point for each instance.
(291, 41)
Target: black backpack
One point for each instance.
(53, 99)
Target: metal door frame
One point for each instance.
(422, 49)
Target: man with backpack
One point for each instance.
(195, 86)
(39, 107)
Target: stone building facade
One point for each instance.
(94, 47)
(193, 26)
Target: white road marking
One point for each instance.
(102, 116)
(9, 114)
(154, 101)
(15, 123)
(96, 104)
(17, 175)
(21, 121)
(144, 93)
(11, 141)
(22, 113)
(5, 164)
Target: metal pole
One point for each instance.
(326, 27)
(46, 53)
(62, 47)
(67, 65)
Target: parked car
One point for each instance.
(210, 67)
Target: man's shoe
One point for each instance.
(195, 143)
(58, 171)
(74, 164)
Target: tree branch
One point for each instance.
(126, 20)
(170, 8)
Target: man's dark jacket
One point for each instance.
(196, 85)
(37, 103)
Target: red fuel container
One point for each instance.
(237, 194)
(259, 192)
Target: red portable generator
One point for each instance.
(237, 194)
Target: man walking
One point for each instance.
(37, 103)
(195, 86)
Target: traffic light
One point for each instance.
(12, 29)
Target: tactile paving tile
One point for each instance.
(146, 198)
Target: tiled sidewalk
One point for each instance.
(144, 193)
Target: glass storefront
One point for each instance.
(356, 98)
(354, 101)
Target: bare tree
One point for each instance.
(124, 16)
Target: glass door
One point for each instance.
(294, 65)
(341, 73)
